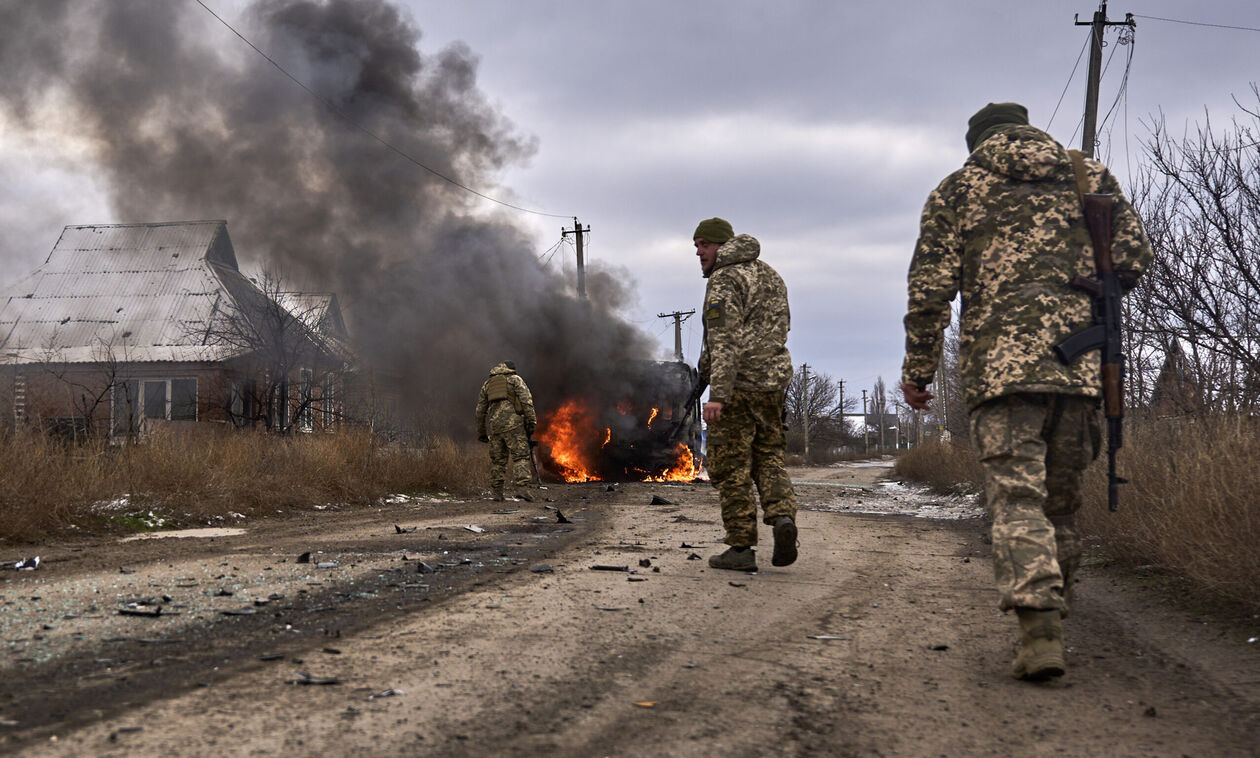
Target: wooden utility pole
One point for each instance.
(866, 427)
(577, 231)
(1099, 23)
(805, 407)
(679, 317)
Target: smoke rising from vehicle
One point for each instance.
(180, 120)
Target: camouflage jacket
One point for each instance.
(1008, 232)
(499, 417)
(746, 322)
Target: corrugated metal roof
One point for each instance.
(136, 292)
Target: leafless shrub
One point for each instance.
(946, 467)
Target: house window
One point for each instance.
(330, 409)
(165, 399)
(306, 420)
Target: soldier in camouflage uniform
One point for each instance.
(747, 365)
(1007, 230)
(505, 419)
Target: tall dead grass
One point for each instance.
(1190, 507)
(198, 476)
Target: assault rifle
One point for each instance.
(687, 408)
(1104, 335)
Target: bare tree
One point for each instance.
(814, 402)
(285, 365)
(1200, 200)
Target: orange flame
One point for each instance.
(566, 433)
(655, 412)
(607, 436)
(684, 469)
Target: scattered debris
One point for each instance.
(474, 528)
(424, 568)
(646, 703)
(271, 657)
(27, 564)
(246, 611)
(608, 608)
(223, 593)
(938, 647)
(693, 557)
(304, 558)
(125, 570)
(685, 546)
(658, 500)
(403, 530)
(601, 567)
(8, 723)
(636, 579)
(825, 637)
(326, 565)
(332, 651)
(542, 568)
(113, 736)
(611, 488)
(391, 692)
(507, 511)
(560, 519)
(305, 678)
(737, 584)
(1150, 712)
(645, 562)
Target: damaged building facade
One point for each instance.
(130, 328)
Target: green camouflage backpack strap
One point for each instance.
(1082, 180)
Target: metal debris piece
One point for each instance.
(27, 564)
(636, 579)
(223, 593)
(693, 557)
(332, 651)
(403, 530)
(608, 608)
(474, 528)
(135, 609)
(246, 611)
(507, 511)
(304, 557)
(424, 568)
(391, 692)
(685, 546)
(658, 500)
(645, 562)
(737, 584)
(825, 637)
(938, 647)
(542, 568)
(601, 567)
(271, 657)
(113, 736)
(8, 723)
(305, 678)
(326, 565)
(646, 703)
(560, 519)
(125, 570)
(551, 507)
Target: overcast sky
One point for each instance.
(817, 127)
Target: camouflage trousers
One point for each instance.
(513, 445)
(746, 446)
(1034, 447)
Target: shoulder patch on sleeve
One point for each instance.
(714, 315)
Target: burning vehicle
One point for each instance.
(646, 430)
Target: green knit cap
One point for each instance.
(714, 229)
(991, 117)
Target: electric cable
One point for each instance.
(1198, 23)
(346, 117)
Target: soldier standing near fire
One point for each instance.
(746, 363)
(1008, 231)
(506, 420)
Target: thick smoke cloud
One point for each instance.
(185, 122)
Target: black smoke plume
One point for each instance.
(186, 122)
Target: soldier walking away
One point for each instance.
(505, 419)
(746, 363)
(1007, 230)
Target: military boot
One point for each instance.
(1040, 655)
(496, 495)
(735, 560)
(784, 542)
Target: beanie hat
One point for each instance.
(716, 230)
(991, 117)
(510, 365)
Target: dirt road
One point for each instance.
(883, 640)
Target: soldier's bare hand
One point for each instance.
(711, 412)
(916, 398)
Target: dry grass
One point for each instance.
(196, 477)
(1190, 509)
(946, 467)
(1190, 506)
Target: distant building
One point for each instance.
(129, 327)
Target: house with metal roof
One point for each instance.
(130, 326)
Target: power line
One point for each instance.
(1198, 23)
(346, 117)
(1071, 76)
